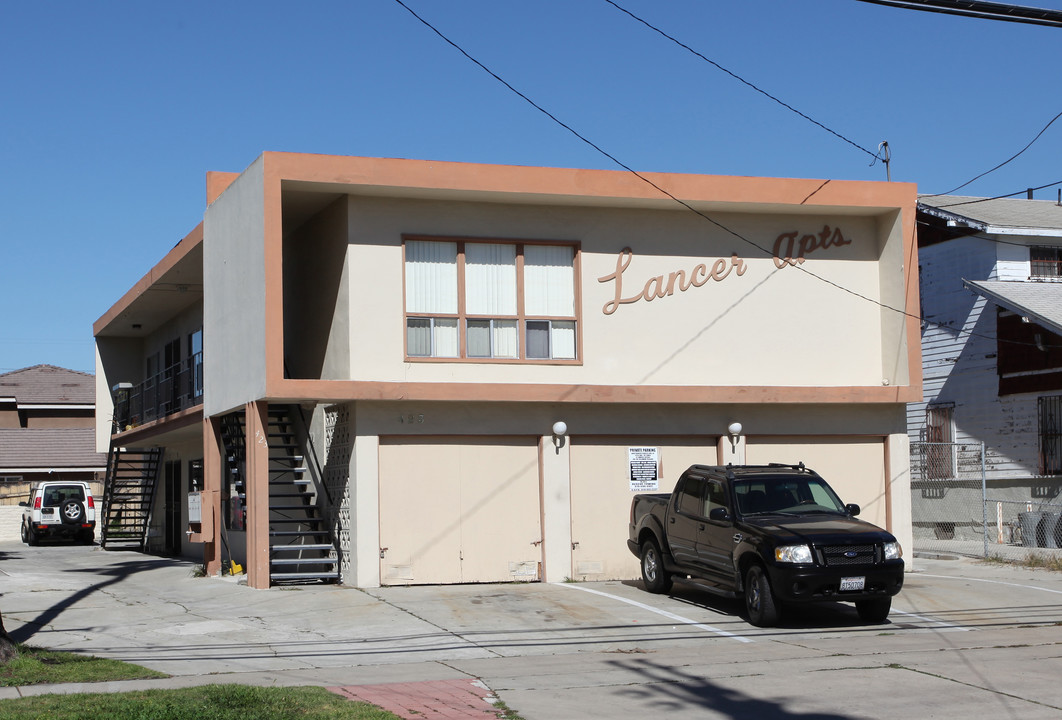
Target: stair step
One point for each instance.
(304, 561)
(295, 533)
(288, 548)
(280, 577)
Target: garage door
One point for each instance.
(459, 510)
(601, 497)
(855, 468)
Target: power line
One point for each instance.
(982, 10)
(740, 79)
(664, 192)
(997, 167)
(995, 197)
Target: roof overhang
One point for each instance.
(1040, 302)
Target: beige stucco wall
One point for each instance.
(782, 327)
(234, 326)
(584, 486)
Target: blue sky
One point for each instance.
(113, 112)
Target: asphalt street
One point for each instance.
(965, 639)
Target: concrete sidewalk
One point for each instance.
(964, 638)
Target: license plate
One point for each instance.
(852, 583)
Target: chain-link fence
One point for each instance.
(954, 510)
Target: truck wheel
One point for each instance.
(655, 577)
(759, 600)
(874, 611)
(29, 536)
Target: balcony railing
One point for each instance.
(172, 390)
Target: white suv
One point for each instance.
(59, 509)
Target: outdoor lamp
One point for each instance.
(735, 430)
(560, 429)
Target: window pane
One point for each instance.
(478, 339)
(506, 339)
(418, 337)
(549, 280)
(538, 339)
(490, 279)
(446, 342)
(431, 277)
(563, 339)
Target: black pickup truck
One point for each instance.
(777, 534)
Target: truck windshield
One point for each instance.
(786, 495)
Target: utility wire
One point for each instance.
(997, 167)
(996, 197)
(740, 79)
(634, 172)
(982, 10)
(663, 191)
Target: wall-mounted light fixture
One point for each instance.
(734, 430)
(560, 429)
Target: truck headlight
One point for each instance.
(793, 554)
(893, 551)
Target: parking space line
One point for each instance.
(993, 582)
(658, 611)
(923, 618)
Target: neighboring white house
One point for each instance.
(990, 274)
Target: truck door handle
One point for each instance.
(671, 520)
(700, 526)
(738, 537)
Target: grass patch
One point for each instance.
(217, 702)
(36, 666)
(1044, 561)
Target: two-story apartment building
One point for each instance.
(992, 363)
(428, 372)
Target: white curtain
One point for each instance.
(549, 280)
(431, 277)
(490, 279)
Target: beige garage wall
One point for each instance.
(456, 510)
(601, 497)
(854, 467)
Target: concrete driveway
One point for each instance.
(964, 639)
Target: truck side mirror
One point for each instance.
(23, 504)
(719, 514)
(852, 509)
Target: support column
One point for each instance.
(556, 499)
(256, 483)
(365, 511)
(213, 473)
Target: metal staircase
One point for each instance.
(128, 494)
(300, 542)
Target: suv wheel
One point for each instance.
(28, 535)
(655, 577)
(874, 611)
(759, 600)
(72, 512)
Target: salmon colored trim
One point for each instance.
(273, 274)
(217, 183)
(256, 488)
(618, 184)
(287, 390)
(172, 258)
(381, 176)
(159, 427)
(911, 302)
(213, 472)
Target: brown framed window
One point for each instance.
(939, 444)
(490, 300)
